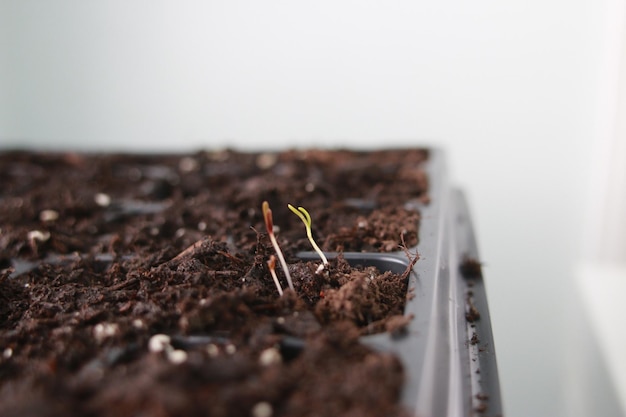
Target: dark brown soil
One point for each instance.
(100, 253)
(471, 268)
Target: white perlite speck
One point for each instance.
(102, 199)
(262, 409)
(163, 343)
(177, 356)
(38, 235)
(188, 164)
(48, 215)
(230, 349)
(213, 350)
(103, 331)
(266, 160)
(159, 342)
(7, 353)
(270, 356)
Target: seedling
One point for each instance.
(271, 264)
(306, 219)
(269, 224)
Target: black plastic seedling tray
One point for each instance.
(448, 350)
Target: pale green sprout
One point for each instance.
(306, 219)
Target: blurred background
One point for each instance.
(528, 99)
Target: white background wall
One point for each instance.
(512, 90)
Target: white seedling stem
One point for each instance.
(272, 266)
(269, 224)
(281, 258)
(317, 248)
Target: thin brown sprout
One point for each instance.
(269, 224)
(271, 264)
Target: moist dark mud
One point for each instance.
(99, 253)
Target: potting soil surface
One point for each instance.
(138, 285)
